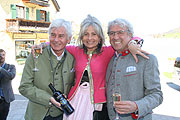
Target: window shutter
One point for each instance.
(47, 16)
(27, 13)
(37, 15)
(13, 11)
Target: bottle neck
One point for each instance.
(52, 88)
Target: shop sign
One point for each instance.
(24, 36)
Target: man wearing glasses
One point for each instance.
(139, 83)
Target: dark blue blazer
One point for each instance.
(8, 73)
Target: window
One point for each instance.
(19, 12)
(42, 15)
(22, 50)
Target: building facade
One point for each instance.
(24, 23)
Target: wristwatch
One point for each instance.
(135, 115)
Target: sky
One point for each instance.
(146, 16)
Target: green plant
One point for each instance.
(168, 74)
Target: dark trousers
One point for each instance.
(60, 117)
(4, 109)
(101, 115)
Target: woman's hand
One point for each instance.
(136, 49)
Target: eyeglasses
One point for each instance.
(120, 32)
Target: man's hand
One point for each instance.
(36, 46)
(125, 107)
(53, 101)
(135, 49)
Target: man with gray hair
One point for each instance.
(137, 84)
(56, 66)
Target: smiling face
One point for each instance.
(58, 40)
(119, 38)
(90, 39)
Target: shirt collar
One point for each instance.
(57, 57)
(123, 53)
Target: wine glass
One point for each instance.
(116, 97)
(37, 53)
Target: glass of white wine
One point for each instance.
(116, 97)
(37, 53)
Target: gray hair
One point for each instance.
(96, 24)
(123, 23)
(61, 23)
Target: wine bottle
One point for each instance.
(59, 97)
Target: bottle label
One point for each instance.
(63, 101)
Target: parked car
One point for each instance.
(177, 62)
(176, 72)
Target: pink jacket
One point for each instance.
(98, 65)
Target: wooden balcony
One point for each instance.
(26, 26)
(43, 3)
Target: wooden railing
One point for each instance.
(22, 25)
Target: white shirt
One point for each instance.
(57, 57)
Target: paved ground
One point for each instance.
(18, 108)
